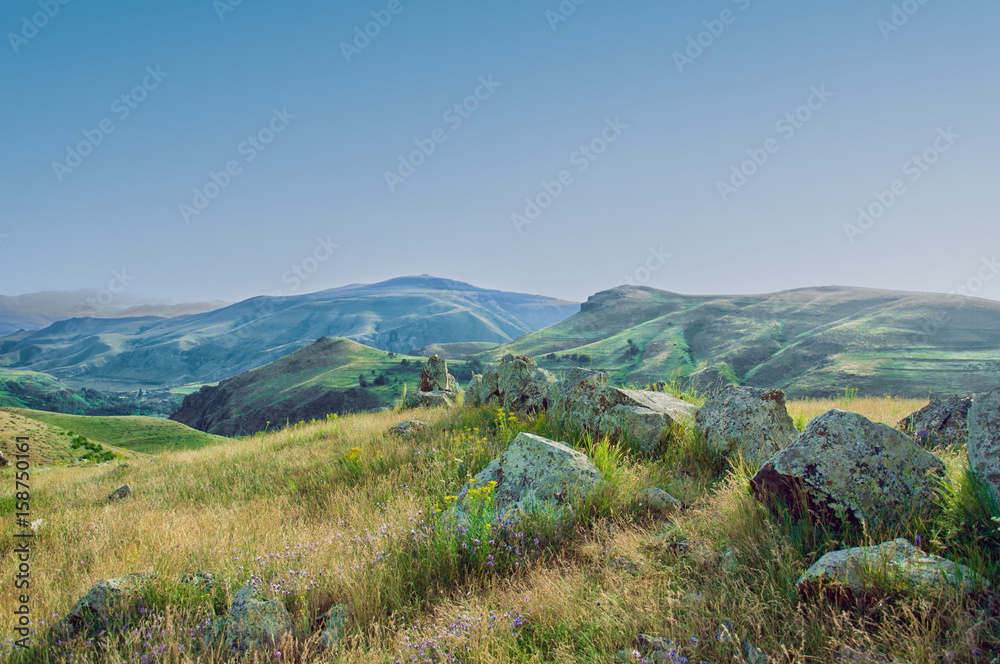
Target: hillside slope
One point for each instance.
(809, 342)
(396, 315)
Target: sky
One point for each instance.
(217, 150)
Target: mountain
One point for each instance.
(396, 315)
(310, 383)
(34, 311)
(809, 342)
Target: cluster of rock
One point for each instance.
(515, 383)
(942, 422)
(746, 420)
(437, 386)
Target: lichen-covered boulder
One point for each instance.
(522, 385)
(942, 422)
(429, 400)
(746, 420)
(434, 376)
(862, 568)
(473, 394)
(850, 470)
(335, 623)
(585, 400)
(107, 605)
(121, 493)
(408, 428)
(658, 499)
(535, 471)
(256, 625)
(489, 389)
(983, 446)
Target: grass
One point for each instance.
(339, 512)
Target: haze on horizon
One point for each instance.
(699, 148)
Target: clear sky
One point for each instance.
(215, 150)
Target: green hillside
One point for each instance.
(318, 380)
(146, 435)
(40, 391)
(50, 444)
(809, 342)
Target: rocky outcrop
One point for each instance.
(535, 471)
(515, 383)
(408, 428)
(107, 605)
(942, 422)
(746, 420)
(584, 399)
(984, 439)
(434, 377)
(850, 470)
(863, 568)
(256, 625)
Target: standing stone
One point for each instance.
(536, 471)
(473, 395)
(522, 385)
(852, 471)
(984, 438)
(434, 377)
(747, 420)
(255, 625)
(942, 422)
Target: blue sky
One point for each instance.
(651, 158)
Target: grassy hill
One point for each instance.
(318, 380)
(336, 513)
(39, 391)
(809, 342)
(151, 352)
(50, 444)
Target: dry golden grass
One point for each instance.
(328, 525)
(887, 410)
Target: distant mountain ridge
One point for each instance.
(810, 342)
(396, 315)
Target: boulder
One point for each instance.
(408, 428)
(521, 385)
(747, 420)
(473, 395)
(429, 400)
(121, 493)
(863, 568)
(850, 470)
(585, 400)
(942, 422)
(335, 622)
(434, 377)
(106, 605)
(983, 446)
(489, 389)
(658, 499)
(256, 625)
(535, 471)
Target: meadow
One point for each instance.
(339, 512)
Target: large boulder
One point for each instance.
(862, 568)
(429, 400)
(584, 399)
(746, 420)
(984, 438)
(434, 377)
(941, 422)
(473, 394)
(852, 471)
(535, 471)
(106, 605)
(408, 428)
(521, 385)
(256, 625)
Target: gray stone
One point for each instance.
(256, 625)
(203, 579)
(408, 428)
(984, 438)
(107, 604)
(658, 499)
(121, 493)
(752, 654)
(585, 400)
(522, 385)
(860, 568)
(535, 471)
(943, 422)
(852, 471)
(434, 376)
(746, 420)
(429, 400)
(473, 395)
(335, 623)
